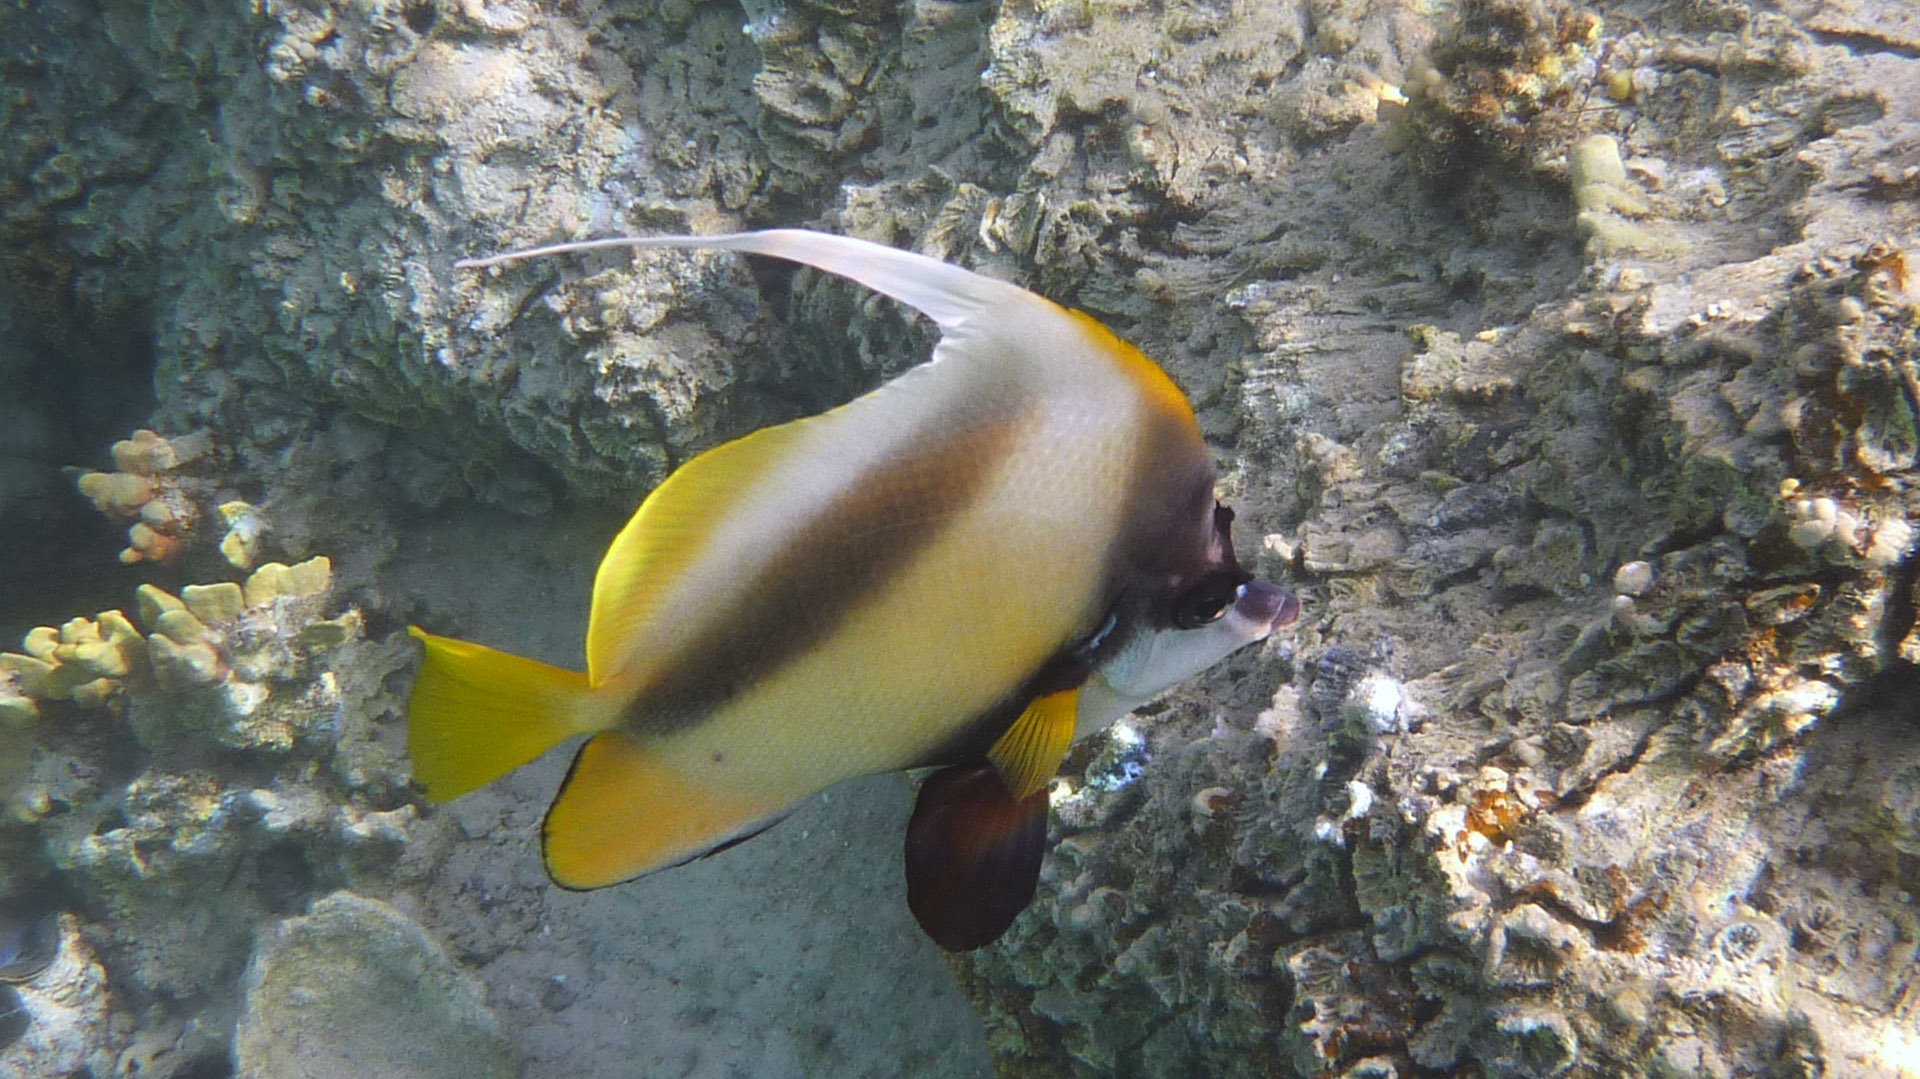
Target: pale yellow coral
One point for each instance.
(210, 603)
(149, 454)
(111, 650)
(182, 627)
(16, 710)
(181, 647)
(1599, 176)
(183, 666)
(276, 581)
(1606, 200)
(89, 660)
(153, 601)
(26, 674)
(20, 678)
(147, 544)
(245, 527)
(84, 660)
(310, 578)
(41, 641)
(142, 489)
(116, 494)
(94, 694)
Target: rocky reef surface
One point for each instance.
(1565, 357)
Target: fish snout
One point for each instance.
(1265, 607)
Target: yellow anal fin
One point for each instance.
(622, 813)
(1031, 750)
(476, 714)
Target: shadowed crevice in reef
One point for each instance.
(75, 379)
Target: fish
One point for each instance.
(1001, 551)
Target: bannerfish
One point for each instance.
(1000, 551)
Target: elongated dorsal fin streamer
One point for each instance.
(944, 293)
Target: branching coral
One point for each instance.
(144, 488)
(152, 486)
(196, 639)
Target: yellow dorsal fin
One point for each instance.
(1152, 382)
(623, 812)
(476, 714)
(1030, 752)
(666, 533)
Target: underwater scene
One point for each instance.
(1316, 539)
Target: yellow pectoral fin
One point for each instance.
(1031, 751)
(476, 714)
(622, 812)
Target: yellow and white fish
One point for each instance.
(998, 552)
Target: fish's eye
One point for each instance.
(1205, 602)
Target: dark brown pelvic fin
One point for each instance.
(973, 855)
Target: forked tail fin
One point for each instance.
(476, 714)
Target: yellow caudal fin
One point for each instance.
(622, 812)
(476, 714)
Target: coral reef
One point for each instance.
(1565, 355)
(180, 786)
(1594, 578)
(143, 488)
(253, 670)
(215, 635)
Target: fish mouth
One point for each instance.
(1266, 606)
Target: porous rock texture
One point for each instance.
(1562, 356)
(354, 987)
(1595, 749)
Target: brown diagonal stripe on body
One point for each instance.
(838, 560)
